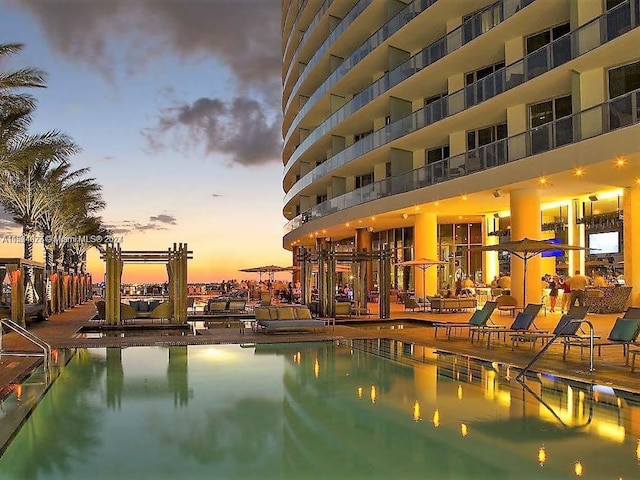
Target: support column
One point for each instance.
(525, 222)
(631, 204)
(295, 254)
(425, 239)
(576, 236)
(490, 264)
(364, 243)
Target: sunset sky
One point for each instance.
(176, 106)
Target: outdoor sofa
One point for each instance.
(287, 318)
(442, 304)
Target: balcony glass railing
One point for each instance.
(617, 113)
(398, 21)
(305, 36)
(354, 13)
(293, 34)
(497, 12)
(556, 53)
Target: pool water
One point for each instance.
(367, 409)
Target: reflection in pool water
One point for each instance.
(366, 409)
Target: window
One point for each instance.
(477, 23)
(551, 124)
(437, 154)
(360, 136)
(484, 148)
(364, 180)
(624, 109)
(624, 79)
(387, 169)
(539, 40)
(435, 98)
(473, 77)
(476, 90)
(321, 198)
(550, 110)
(485, 136)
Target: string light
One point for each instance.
(416, 411)
(542, 456)
(578, 470)
(436, 418)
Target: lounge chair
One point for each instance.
(564, 327)
(216, 306)
(479, 318)
(624, 333)
(523, 321)
(163, 311)
(411, 304)
(127, 312)
(101, 308)
(342, 309)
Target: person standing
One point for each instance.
(578, 284)
(553, 293)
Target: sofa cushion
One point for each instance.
(273, 311)
(303, 313)
(262, 314)
(135, 304)
(143, 306)
(285, 313)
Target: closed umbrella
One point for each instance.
(422, 264)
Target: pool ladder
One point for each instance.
(553, 339)
(23, 332)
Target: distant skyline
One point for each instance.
(176, 106)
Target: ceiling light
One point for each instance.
(620, 162)
(464, 197)
(405, 216)
(579, 172)
(438, 203)
(542, 180)
(497, 194)
(496, 215)
(593, 198)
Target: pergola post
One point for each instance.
(17, 294)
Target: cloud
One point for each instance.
(240, 129)
(242, 34)
(7, 224)
(216, 195)
(163, 218)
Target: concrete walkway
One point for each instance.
(60, 332)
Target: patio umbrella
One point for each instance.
(269, 269)
(422, 264)
(525, 249)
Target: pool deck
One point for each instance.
(610, 368)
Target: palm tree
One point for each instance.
(77, 198)
(16, 106)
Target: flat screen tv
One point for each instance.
(553, 253)
(604, 242)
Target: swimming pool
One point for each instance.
(366, 409)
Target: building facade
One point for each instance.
(434, 126)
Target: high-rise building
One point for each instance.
(433, 126)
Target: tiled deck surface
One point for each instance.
(59, 332)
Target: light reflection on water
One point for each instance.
(318, 410)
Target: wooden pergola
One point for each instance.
(176, 260)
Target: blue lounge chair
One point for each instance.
(564, 326)
(523, 321)
(479, 318)
(624, 333)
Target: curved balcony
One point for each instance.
(285, 52)
(620, 112)
(426, 57)
(599, 31)
(307, 34)
(354, 13)
(398, 21)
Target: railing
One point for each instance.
(23, 332)
(526, 368)
(504, 79)
(398, 21)
(354, 13)
(305, 37)
(498, 12)
(617, 113)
